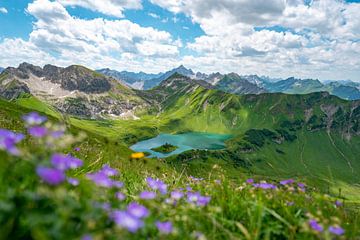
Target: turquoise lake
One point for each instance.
(184, 142)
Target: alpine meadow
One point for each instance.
(107, 132)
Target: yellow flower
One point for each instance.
(137, 155)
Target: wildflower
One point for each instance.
(87, 237)
(164, 227)
(137, 210)
(120, 196)
(73, 181)
(127, 220)
(107, 170)
(217, 181)
(203, 201)
(170, 201)
(34, 119)
(289, 203)
(106, 207)
(198, 199)
(315, 225)
(336, 230)
(156, 184)
(250, 181)
(65, 162)
(38, 131)
(264, 185)
(193, 197)
(338, 203)
(287, 182)
(147, 195)
(8, 141)
(301, 185)
(57, 134)
(51, 176)
(77, 149)
(137, 155)
(117, 184)
(100, 179)
(177, 195)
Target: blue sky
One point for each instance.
(317, 39)
(17, 23)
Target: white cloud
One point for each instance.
(108, 7)
(15, 51)
(153, 15)
(3, 10)
(317, 40)
(60, 38)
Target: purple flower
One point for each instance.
(34, 119)
(106, 207)
(38, 131)
(301, 185)
(77, 149)
(86, 237)
(177, 195)
(250, 181)
(290, 203)
(193, 197)
(107, 170)
(51, 176)
(117, 184)
(73, 181)
(127, 220)
(203, 201)
(65, 162)
(287, 182)
(315, 225)
(120, 196)
(147, 195)
(137, 210)
(338, 203)
(100, 179)
(57, 134)
(164, 227)
(264, 185)
(156, 184)
(336, 230)
(8, 141)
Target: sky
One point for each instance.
(278, 38)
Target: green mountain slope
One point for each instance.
(278, 135)
(315, 136)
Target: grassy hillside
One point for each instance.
(211, 205)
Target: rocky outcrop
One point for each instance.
(13, 90)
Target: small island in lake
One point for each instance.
(166, 148)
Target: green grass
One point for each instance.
(327, 163)
(33, 103)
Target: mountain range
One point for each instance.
(75, 90)
(242, 84)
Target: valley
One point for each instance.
(274, 135)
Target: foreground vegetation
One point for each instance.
(54, 184)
